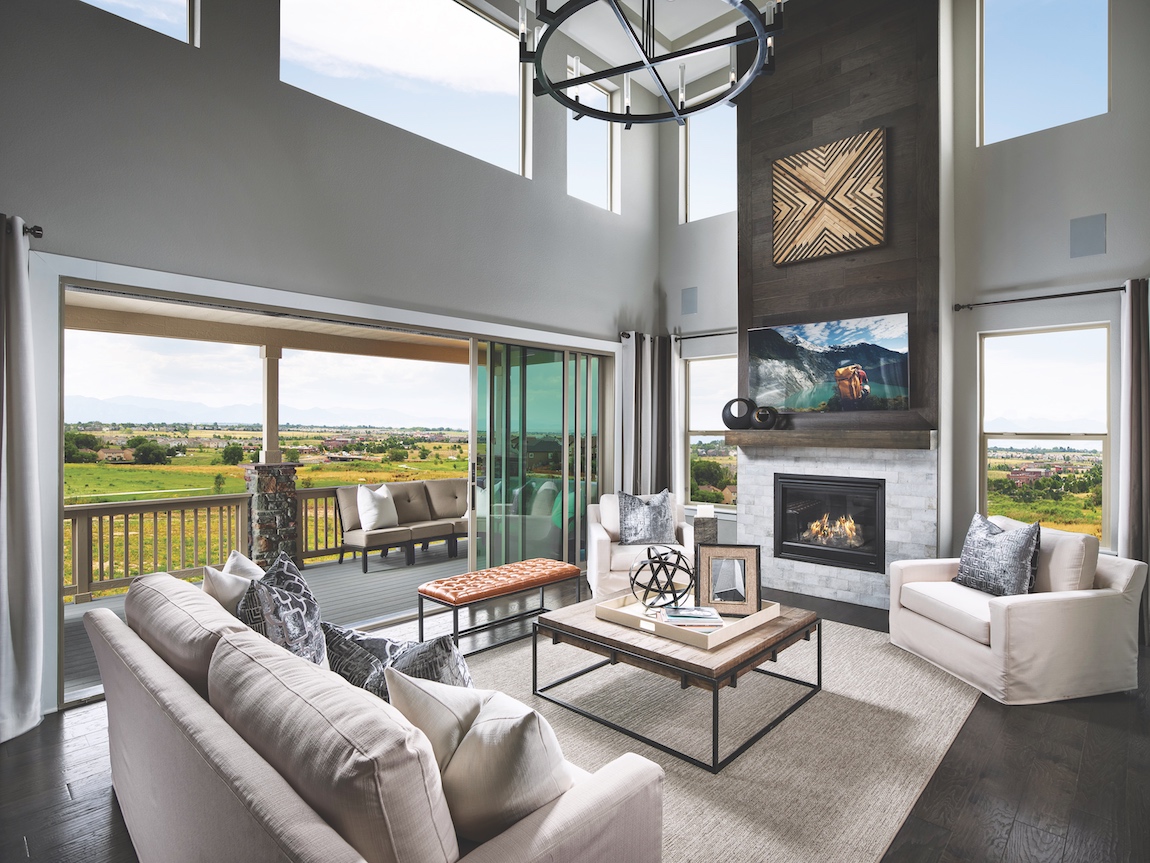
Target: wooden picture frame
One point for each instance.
(727, 578)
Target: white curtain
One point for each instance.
(21, 596)
(647, 413)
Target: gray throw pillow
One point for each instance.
(998, 562)
(360, 658)
(281, 607)
(646, 522)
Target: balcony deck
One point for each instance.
(385, 595)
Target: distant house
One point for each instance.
(1021, 476)
(116, 455)
(731, 494)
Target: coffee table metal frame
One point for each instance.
(687, 678)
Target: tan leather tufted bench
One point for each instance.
(463, 591)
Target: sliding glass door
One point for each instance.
(535, 458)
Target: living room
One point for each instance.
(190, 170)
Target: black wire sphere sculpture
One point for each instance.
(661, 578)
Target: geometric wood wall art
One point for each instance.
(831, 199)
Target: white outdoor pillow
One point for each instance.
(376, 508)
(500, 759)
(227, 586)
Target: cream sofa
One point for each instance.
(191, 692)
(428, 510)
(1076, 635)
(609, 561)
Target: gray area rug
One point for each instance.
(832, 783)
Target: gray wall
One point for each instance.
(132, 148)
(1013, 204)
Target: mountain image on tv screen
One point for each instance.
(859, 364)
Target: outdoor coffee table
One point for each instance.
(710, 670)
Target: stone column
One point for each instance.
(273, 511)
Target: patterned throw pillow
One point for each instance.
(360, 658)
(281, 607)
(998, 562)
(646, 522)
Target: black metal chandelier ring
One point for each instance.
(677, 112)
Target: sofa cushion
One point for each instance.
(376, 507)
(385, 537)
(352, 757)
(963, 609)
(447, 498)
(500, 759)
(430, 529)
(179, 622)
(623, 557)
(347, 503)
(644, 520)
(228, 585)
(998, 562)
(1066, 560)
(410, 501)
(281, 607)
(360, 658)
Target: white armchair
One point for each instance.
(1028, 649)
(608, 561)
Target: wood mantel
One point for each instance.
(835, 438)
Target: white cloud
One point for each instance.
(437, 41)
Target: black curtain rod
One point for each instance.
(707, 335)
(958, 307)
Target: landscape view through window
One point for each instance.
(150, 419)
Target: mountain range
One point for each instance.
(780, 369)
(138, 409)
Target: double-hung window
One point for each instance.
(1045, 427)
(712, 464)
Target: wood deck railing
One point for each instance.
(317, 523)
(106, 545)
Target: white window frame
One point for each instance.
(689, 431)
(614, 139)
(1036, 434)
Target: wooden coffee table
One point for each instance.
(711, 670)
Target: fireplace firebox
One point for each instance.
(838, 521)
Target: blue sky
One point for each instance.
(888, 331)
(1046, 64)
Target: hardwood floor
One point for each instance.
(1065, 783)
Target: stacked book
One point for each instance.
(695, 617)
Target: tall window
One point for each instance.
(711, 383)
(712, 171)
(169, 17)
(1045, 424)
(372, 56)
(589, 146)
(1044, 63)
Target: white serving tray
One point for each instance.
(627, 611)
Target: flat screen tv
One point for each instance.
(858, 364)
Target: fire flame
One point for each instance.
(841, 532)
(844, 526)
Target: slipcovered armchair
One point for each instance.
(1048, 645)
(608, 561)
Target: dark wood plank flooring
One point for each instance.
(1066, 782)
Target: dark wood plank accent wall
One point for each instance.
(845, 67)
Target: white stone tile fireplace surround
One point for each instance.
(911, 514)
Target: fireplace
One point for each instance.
(839, 521)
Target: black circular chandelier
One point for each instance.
(762, 32)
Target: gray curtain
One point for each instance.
(647, 413)
(21, 599)
(1134, 458)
